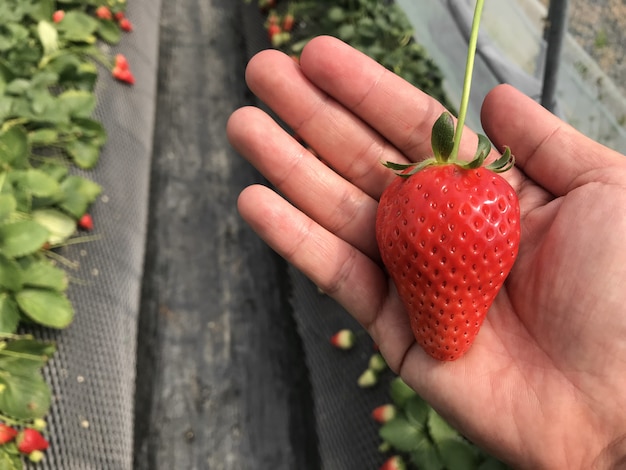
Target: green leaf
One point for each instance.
(7, 206)
(400, 392)
(46, 307)
(84, 153)
(426, 457)
(442, 137)
(77, 26)
(48, 37)
(10, 274)
(22, 238)
(491, 463)
(79, 194)
(24, 394)
(40, 184)
(401, 434)
(9, 314)
(417, 411)
(78, 103)
(109, 31)
(439, 429)
(10, 458)
(457, 454)
(60, 226)
(14, 148)
(41, 273)
(43, 137)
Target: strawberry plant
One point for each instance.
(377, 28)
(49, 54)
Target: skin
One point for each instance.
(543, 385)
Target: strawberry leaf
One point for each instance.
(79, 194)
(60, 226)
(9, 314)
(426, 457)
(46, 307)
(14, 147)
(400, 392)
(457, 454)
(23, 394)
(401, 434)
(439, 429)
(22, 238)
(417, 411)
(7, 206)
(41, 273)
(10, 274)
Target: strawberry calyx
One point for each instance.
(443, 146)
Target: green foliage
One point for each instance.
(377, 28)
(429, 442)
(48, 72)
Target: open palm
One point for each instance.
(542, 386)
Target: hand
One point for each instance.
(544, 384)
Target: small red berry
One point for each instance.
(123, 75)
(7, 433)
(104, 13)
(121, 62)
(58, 15)
(30, 440)
(85, 222)
(126, 25)
(119, 16)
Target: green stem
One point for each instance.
(467, 82)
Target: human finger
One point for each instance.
(330, 200)
(400, 112)
(345, 142)
(338, 268)
(547, 149)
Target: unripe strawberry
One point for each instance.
(394, 463)
(36, 456)
(7, 433)
(288, 22)
(377, 363)
(367, 379)
(30, 440)
(343, 339)
(384, 413)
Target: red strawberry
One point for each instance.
(384, 413)
(343, 339)
(104, 13)
(86, 222)
(126, 25)
(58, 15)
(7, 433)
(30, 440)
(288, 22)
(123, 75)
(122, 62)
(393, 463)
(448, 232)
